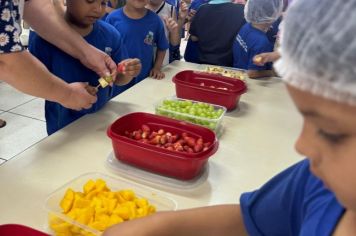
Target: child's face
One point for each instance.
(86, 12)
(137, 4)
(328, 139)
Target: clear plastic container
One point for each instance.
(52, 204)
(230, 72)
(155, 180)
(211, 123)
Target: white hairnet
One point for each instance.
(263, 11)
(319, 48)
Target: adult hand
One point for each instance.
(130, 67)
(99, 62)
(156, 73)
(170, 24)
(78, 98)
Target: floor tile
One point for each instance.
(19, 134)
(2, 161)
(11, 98)
(33, 109)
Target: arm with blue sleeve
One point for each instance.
(294, 202)
(254, 71)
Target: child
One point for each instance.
(214, 28)
(82, 16)
(172, 23)
(317, 196)
(141, 30)
(252, 38)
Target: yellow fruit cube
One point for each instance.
(67, 201)
(89, 186)
(114, 219)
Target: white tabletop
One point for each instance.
(257, 142)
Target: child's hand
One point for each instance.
(130, 67)
(156, 73)
(264, 58)
(170, 24)
(183, 10)
(191, 14)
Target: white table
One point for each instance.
(257, 142)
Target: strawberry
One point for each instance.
(190, 141)
(121, 67)
(145, 128)
(198, 147)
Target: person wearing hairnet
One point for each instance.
(252, 38)
(316, 196)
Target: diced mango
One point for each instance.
(115, 219)
(98, 207)
(67, 201)
(89, 186)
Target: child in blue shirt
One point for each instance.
(141, 30)
(317, 196)
(82, 16)
(252, 38)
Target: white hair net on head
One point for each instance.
(263, 11)
(318, 48)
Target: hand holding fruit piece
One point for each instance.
(130, 67)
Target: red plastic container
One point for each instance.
(19, 230)
(175, 164)
(210, 88)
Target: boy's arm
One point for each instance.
(42, 17)
(156, 72)
(208, 221)
(24, 72)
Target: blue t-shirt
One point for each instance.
(104, 37)
(293, 203)
(140, 36)
(248, 43)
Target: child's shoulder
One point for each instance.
(115, 14)
(105, 28)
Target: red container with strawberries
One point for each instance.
(210, 88)
(162, 145)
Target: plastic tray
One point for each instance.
(204, 87)
(175, 164)
(161, 203)
(156, 180)
(19, 230)
(230, 72)
(213, 124)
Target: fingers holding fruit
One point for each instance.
(91, 90)
(156, 73)
(130, 67)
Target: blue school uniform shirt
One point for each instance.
(294, 202)
(248, 43)
(140, 36)
(104, 37)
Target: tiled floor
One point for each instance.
(24, 116)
